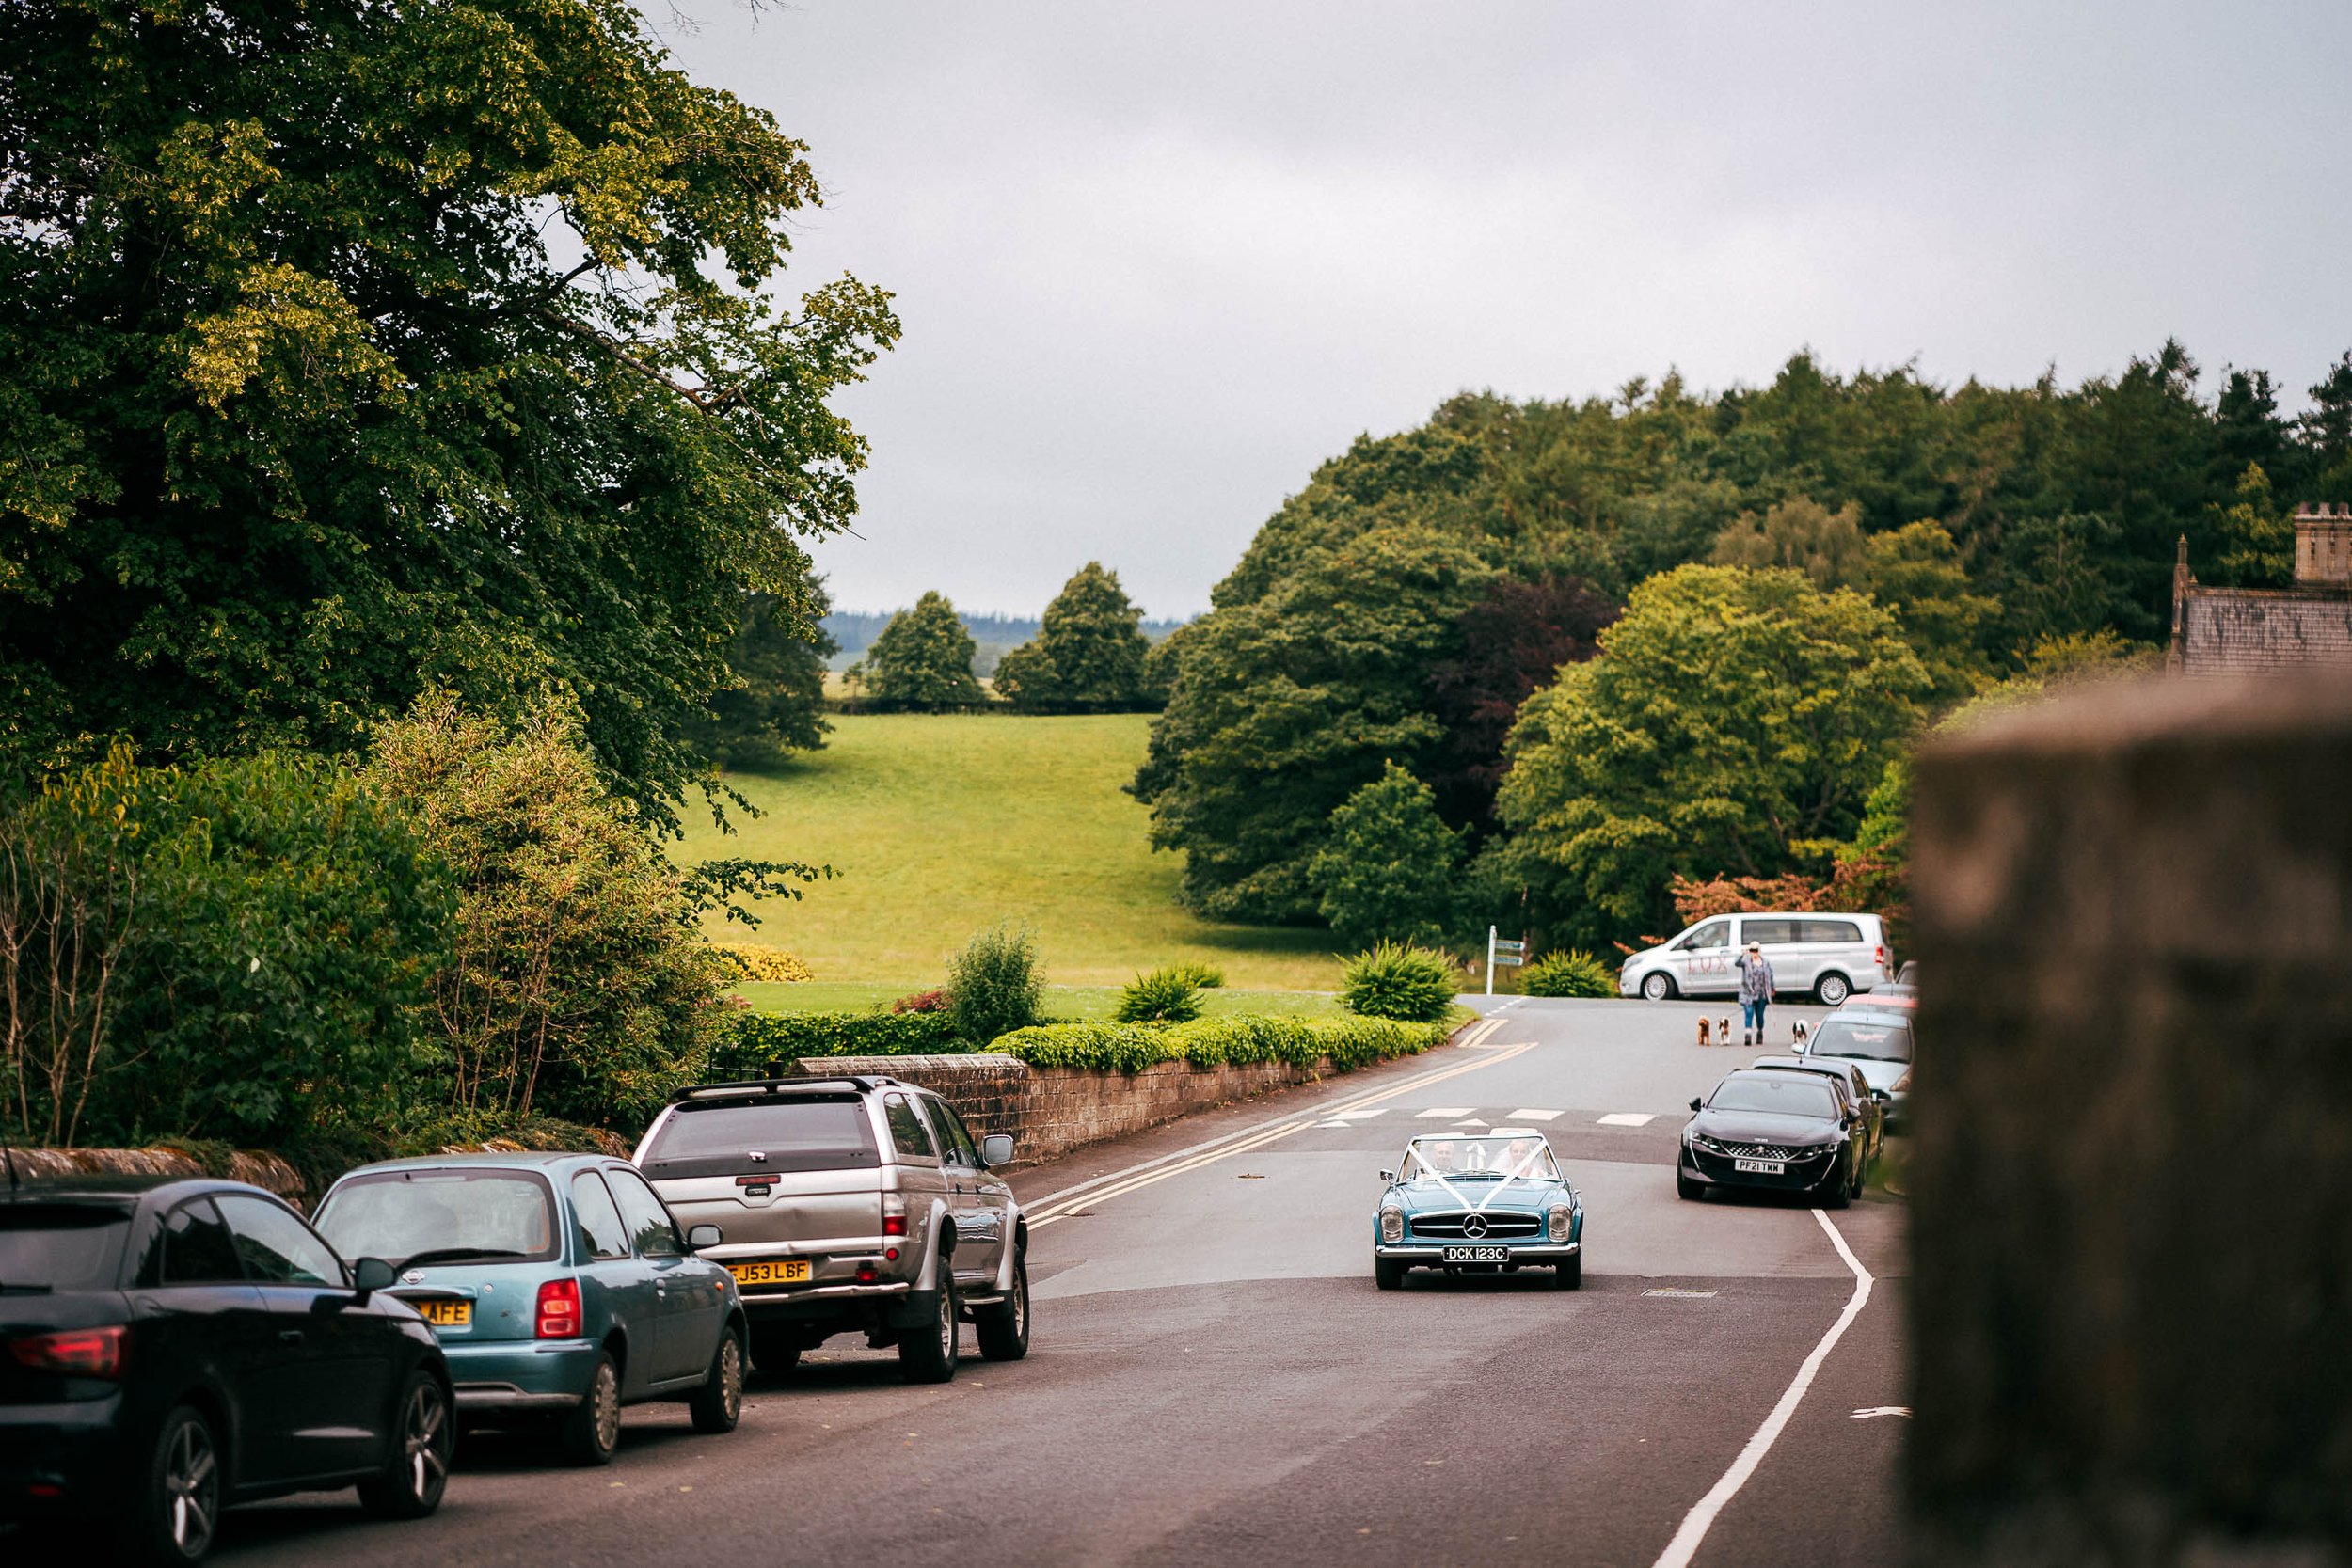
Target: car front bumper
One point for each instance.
(1798, 1176)
(1521, 1252)
(521, 1376)
(62, 1461)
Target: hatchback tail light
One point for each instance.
(75, 1352)
(559, 1309)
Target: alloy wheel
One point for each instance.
(731, 1376)
(423, 1436)
(192, 1489)
(607, 1395)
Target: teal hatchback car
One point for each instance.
(559, 1286)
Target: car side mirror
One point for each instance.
(1803, 1047)
(702, 1236)
(371, 1274)
(1389, 1177)
(995, 1149)
(1697, 1106)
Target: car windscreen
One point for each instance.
(1870, 1040)
(62, 1246)
(718, 1138)
(479, 1216)
(1492, 1157)
(1787, 1097)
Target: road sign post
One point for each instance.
(1490, 960)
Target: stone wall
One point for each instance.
(2132, 1181)
(1048, 1112)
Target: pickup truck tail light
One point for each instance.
(893, 1215)
(558, 1316)
(76, 1352)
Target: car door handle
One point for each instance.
(289, 1335)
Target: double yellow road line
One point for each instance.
(1138, 1177)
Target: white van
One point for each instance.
(1833, 956)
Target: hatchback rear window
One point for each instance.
(713, 1137)
(65, 1246)
(482, 1216)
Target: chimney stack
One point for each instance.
(2323, 545)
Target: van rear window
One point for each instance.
(1827, 931)
(712, 1137)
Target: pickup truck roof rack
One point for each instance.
(739, 1087)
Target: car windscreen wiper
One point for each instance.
(458, 1255)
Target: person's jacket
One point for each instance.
(1755, 978)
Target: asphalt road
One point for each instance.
(1213, 1378)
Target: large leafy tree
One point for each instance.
(1285, 704)
(1736, 722)
(1088, 651)
(923, 658)
(1390, 870)
(353, 348)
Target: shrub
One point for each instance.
(1163, 996)
(1391, 980)
(748, 960)
(579, 988)
(1574, 973)
(932, 1000)
(756, 1039)
(1199, 975)
(994, 985)
(1347, 1043)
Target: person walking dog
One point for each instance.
(1755, 989)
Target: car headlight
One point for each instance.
(1392, 1224)
(1700, 1140)
(1560, 1222)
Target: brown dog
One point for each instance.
(1703, 1027)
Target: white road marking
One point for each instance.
(1359, 1115)
(1627, 1118)
(1695, 1524)
(1874, 1412)
(1452, 1113)
(1523, 1113)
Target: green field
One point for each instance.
(941, 825)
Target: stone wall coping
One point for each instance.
(2109, 715)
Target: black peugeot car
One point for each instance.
(1779, 1130)
(170, 1347)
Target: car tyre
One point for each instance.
(1568, 1274)
(176, 1510)
(1658, 985)
(1688, 1190)
(775, 1350)
(592, 1432)
(1003, 1331)
(1389, 1272)
(1832, 988)
(927, 1354)
(424, 1435)
(718, 1404)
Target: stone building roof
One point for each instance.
(2238, 631)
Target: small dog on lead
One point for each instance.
(1802, 1034)
(1704, 1028)
(1723, 1030)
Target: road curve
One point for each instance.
(1215, 1380)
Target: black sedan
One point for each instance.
(170, 1347)
(1776, 1130)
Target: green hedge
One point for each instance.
(758, 1038)
(1350, 1043)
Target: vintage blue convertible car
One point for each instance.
(1479, 1203)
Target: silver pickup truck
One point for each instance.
(850, 1205)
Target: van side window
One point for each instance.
(1769, 932)
(909, 1138)
(1715, 933)
(1827, 931)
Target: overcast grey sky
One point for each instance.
(1156, 261)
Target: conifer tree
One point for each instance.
(1088, 651)
(923, 658)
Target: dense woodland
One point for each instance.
(1791, 581)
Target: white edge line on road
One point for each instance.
(1476, 1032)
(1695, 1524)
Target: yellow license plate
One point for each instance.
(790, 1271)
(445, 1314)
